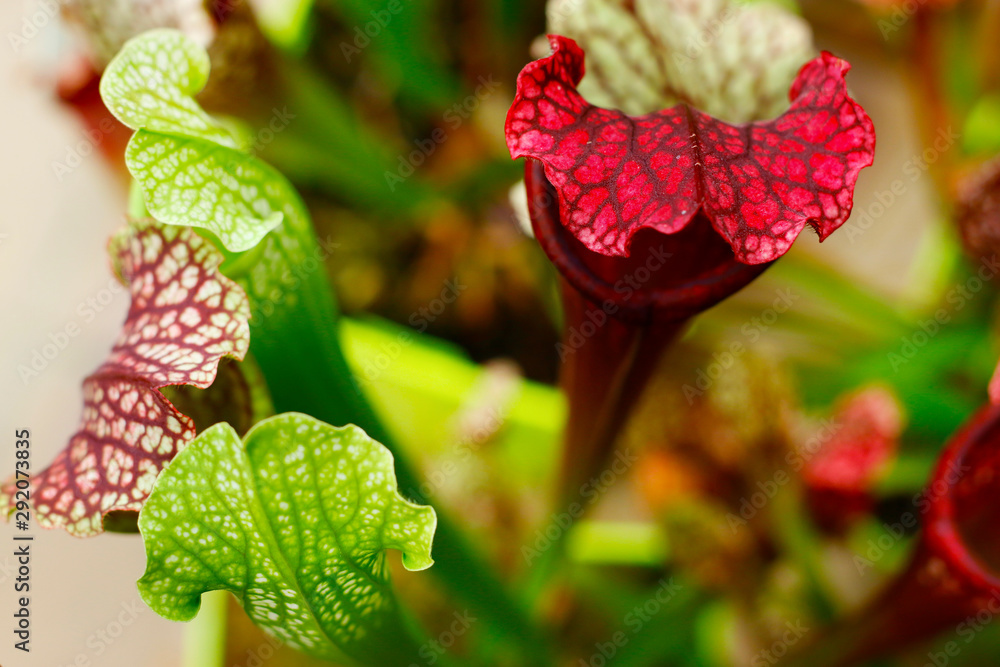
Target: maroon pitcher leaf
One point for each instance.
(184, 318)
(759, 183)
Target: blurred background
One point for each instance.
(393, 132)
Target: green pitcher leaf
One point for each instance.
(256, 214)
(190, 167)
(151, 85)
(295, 522)
(192, 181)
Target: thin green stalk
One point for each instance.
(797, 538)
(205, 636)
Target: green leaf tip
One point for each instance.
(190, 167)
(295, 522)
(151, 85)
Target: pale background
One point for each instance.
(52, 238)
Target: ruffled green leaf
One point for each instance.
(257, 214)
(190, 167)
(192, 181)
(295, 522)
(151, 85)
(732, 60)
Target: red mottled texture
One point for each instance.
(78, 87)
(184, 318)
(839, 476)
(662, 280)
(758, 184)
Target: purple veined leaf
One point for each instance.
(239, 397)
(184, 318)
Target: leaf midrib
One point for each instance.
(279, 557)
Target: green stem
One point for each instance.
(136, 202)
(205, 636)
(798, 539)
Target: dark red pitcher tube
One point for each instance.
(620, 314)
(953, 579)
